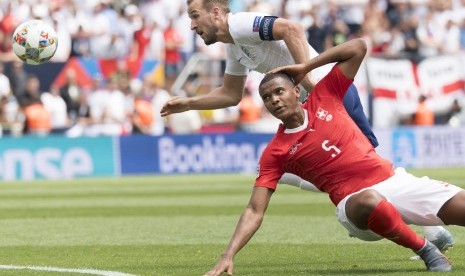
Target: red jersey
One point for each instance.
(330, 151)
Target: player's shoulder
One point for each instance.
(245, 24)
(277, 143)
(242, 18)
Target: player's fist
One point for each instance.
(175, 105)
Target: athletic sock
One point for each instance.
(387, 222)
(431, 232)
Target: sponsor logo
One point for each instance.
(266, 28)
(294, 148)
(247, 53)
(211, 154)
(256, 23)
(48, 163)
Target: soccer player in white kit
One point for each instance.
(259, 42)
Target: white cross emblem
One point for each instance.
(321, 113)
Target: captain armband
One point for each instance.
(266, 27)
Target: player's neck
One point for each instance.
(223, 33)
(296, 120)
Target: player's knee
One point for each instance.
(365, 202)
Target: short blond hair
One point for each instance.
(209, 4)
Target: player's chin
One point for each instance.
(280, 114)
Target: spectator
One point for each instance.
(63, 52)
(156, 47)
(456, 114)
(451, 39)
(142, 117)
(423, 115)
(159, 97)
(316, 33)
(17, 76)
(173, 61)
(429, 34)
(187, 47)
(115, 109)
(190, 121)
(37, 118)
(80, 43)
(140, 42)
(70, 94)
(56, 107)
(9, 115)
(8, 24)
(249, 111)
(185, 123)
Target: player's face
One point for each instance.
(202, 22)
(281, 98)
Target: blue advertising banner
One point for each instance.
(56, 157)
(206, 153)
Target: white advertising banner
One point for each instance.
(394, 88)
(441, 80)
(423, 147)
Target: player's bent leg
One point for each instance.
(296, 181)
(453, 211)
(386, 221)
(369, 209)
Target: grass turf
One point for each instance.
(179, 225)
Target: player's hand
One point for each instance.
(175, 105)
(297, 72)
(224, 265)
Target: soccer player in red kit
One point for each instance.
(320, 143)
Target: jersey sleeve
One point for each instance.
(251, 27)
(335, 83)
(269, 170)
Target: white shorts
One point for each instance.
(418, 200)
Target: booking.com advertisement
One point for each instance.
(29, 158)
(221, 153)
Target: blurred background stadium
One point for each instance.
(94, 109)
(90, 119)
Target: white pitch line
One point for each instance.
(69, 270)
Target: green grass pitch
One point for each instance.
(179, 225)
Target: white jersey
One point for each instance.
(253, 48)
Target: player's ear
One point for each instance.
(216, 11)
(297, 91)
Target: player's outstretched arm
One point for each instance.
(348, 55)
(248, 224)
(229, 94)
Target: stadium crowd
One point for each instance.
(160, 30)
